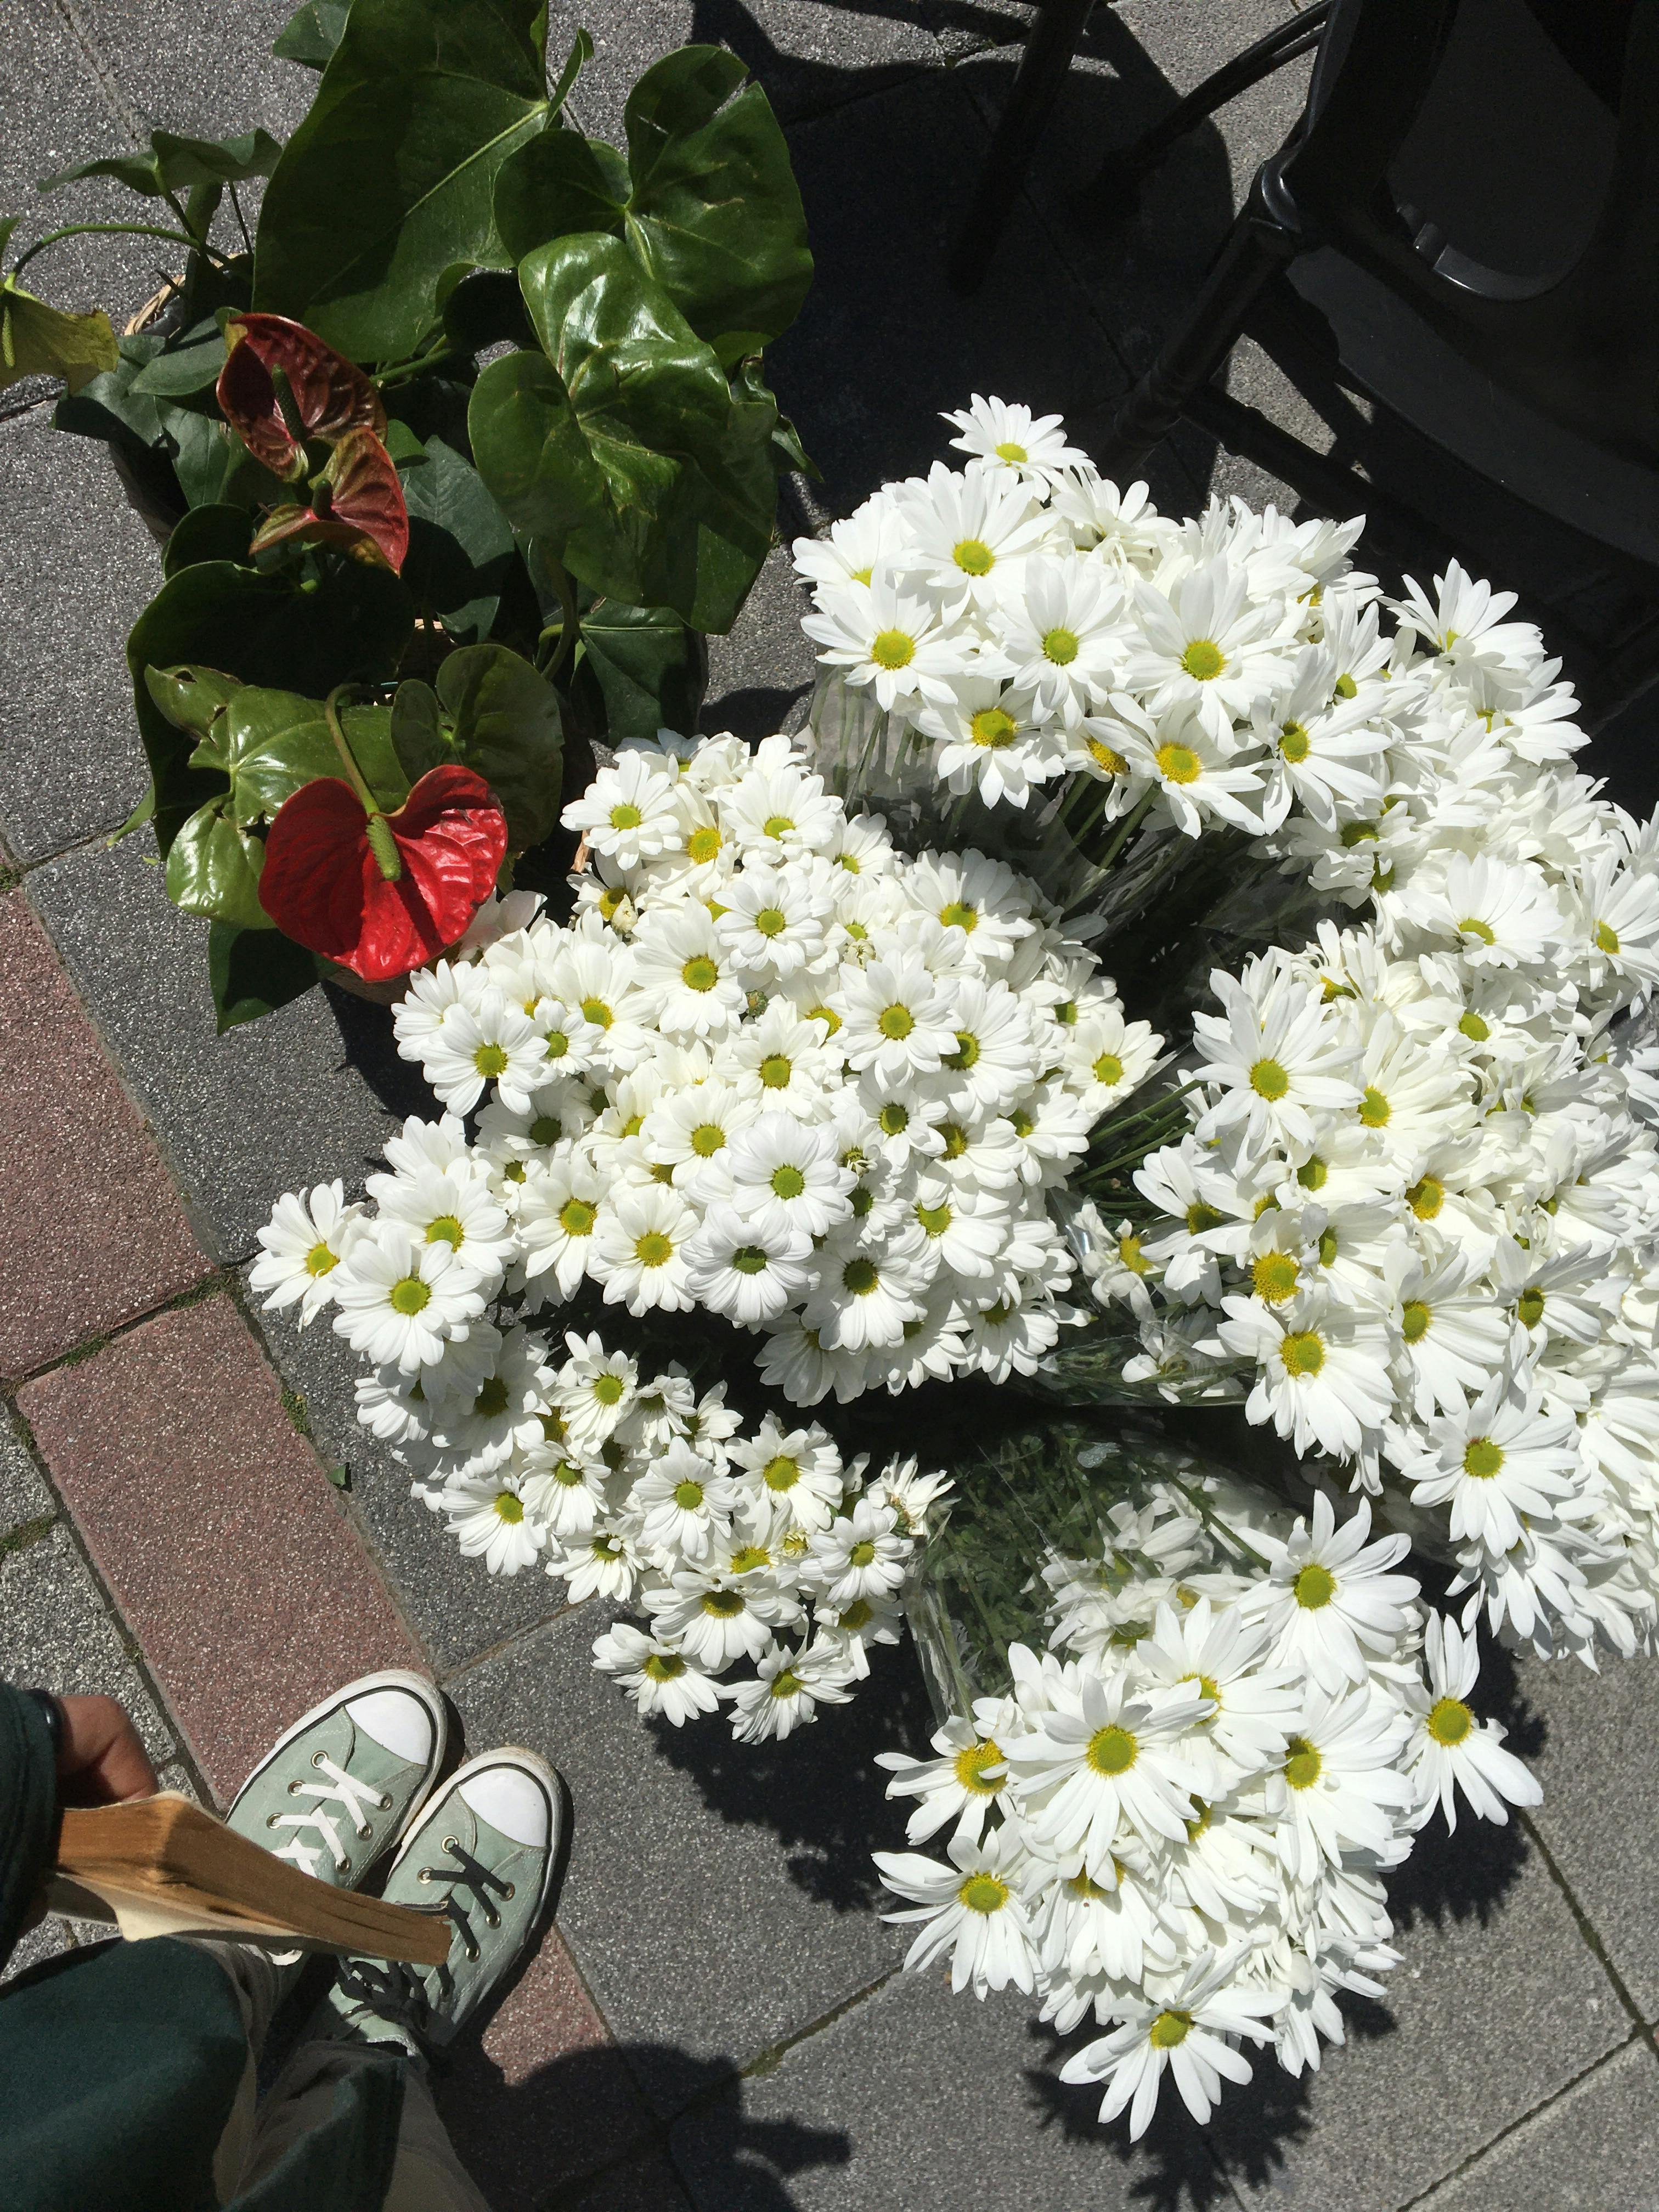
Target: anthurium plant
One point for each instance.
(459, 452)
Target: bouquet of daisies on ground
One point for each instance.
(773, 1076)
(1393, 1192)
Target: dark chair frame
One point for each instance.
(1049, 52)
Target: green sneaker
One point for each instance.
(335, 1792)
(483, 1853)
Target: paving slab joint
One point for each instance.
(769, 2061)
(36, 1531)
(78, 1354)
(1586, 1927)
(1476, 2157)
(490, 1651)
(102, 73)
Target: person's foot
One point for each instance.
(336, 1791)
(483, 1852)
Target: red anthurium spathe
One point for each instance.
(382, 893)
(356, 500)
(357, 504)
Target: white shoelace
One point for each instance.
(341, 1789)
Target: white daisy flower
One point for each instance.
(400, 1301)
(1504, 1457)
(1059, 639)
(971, 1909)
(686, 1503)
(657, 1677)
(1451, 1750)
(895, 639)
(559, 1208)
(965, 534)
(789, 1170)
(748, 1268)
(716, 1617)
(1105, 1755)
(639, 1256)
(486, 1513)
(303, 1243)
(1030, 446)
(1329, 1607)
(489, 1042)
(786, 1691)
(794, 1477)
(1193, 2035)
(630, 812)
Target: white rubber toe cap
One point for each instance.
(398, 1721)
(513, 1802)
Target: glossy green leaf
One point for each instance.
(420, 736)
(460, 545)
(715, 213)
(508, 727)
(176, 164)
(312, 33)
(254, 971)
(212, 867)
(622, 450)
(706, 198)
(649, 670)
(219, 533)
(386, 184)
(191, 365)
(38, 340)
(193, 699)
(350, 624)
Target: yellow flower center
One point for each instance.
(1269, 1080)
(973, 556)
(1606, 938)
(1169, 2029)
(1302, 1762)
(775, 1072)
(1178, 763)
(771, 921)
(1449, 1720)
(1426, 1198)
(992, 727)
(1104, 758)
(1302, 1352)
(1482, 1458)
(700, 973)
(1111, 1750)
(1109, 1068)
(489, 1061)
(1204, 660)
(625, 816)
(702, 845)
(1414, 1319)
(1060, 646)
(1315, 1586)
(1294, 744)
(970, 1766)
(1471, 926)
(896, 1022)
(1374, 1110)
(411, 1295)
(1274, 1276)
(1529, 1307)
(893, 649)
(654, 1250)
(320, 1260)
(983, 1893)
(509, 1509)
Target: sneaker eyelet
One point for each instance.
(473, 1951)
(343, 1866)
(295, 1788)
(317, 1759)
(450, 1844)
(271, 1819)
(425, 1875)
(385, 1804)
(365, 1833)
(494, 1920)
(507, 1891)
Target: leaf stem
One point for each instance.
(241, 220)
(401, 371)
(118, 229)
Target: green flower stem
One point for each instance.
(118, 229)
(401, 371)
(381, 842)
(1132, 822)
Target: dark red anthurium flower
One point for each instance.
(323, 399)
(382, 893)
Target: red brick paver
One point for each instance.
(92, 1227)
(546, 2098)
(249, 1589)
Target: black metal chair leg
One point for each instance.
(1257, 248)
(1112, 188)
(1047, 56)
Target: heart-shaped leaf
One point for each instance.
(350, 625)
(268, 744)
(507, 728)
(312, 33)
(38, 340)
(212, 867)
(420, 735)
(460, 546)
(219, 533)
(176, 164)
(650, 671)
(386, 184)
(622, 450)
(254, 971)
(707, 198)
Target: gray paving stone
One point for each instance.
(809, 56)
(23, 1496)
(916, 2097)
(454, 1605)
(55, 1630)
(644, 2184)
(1600, 1817)
(58, 114)
(760, 1854)
(883, 344)
(76, 566)
(191, 67)
(1498, 2003)
(1595, 2150)
(49, 1939)
(761, 676)
(304, 1094)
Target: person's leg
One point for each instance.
(485, 1849)
(256, 1985)
(428, 2176)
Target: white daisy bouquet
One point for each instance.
(771, 1074)
(1394, 1195)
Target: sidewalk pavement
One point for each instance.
(717, 2021)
